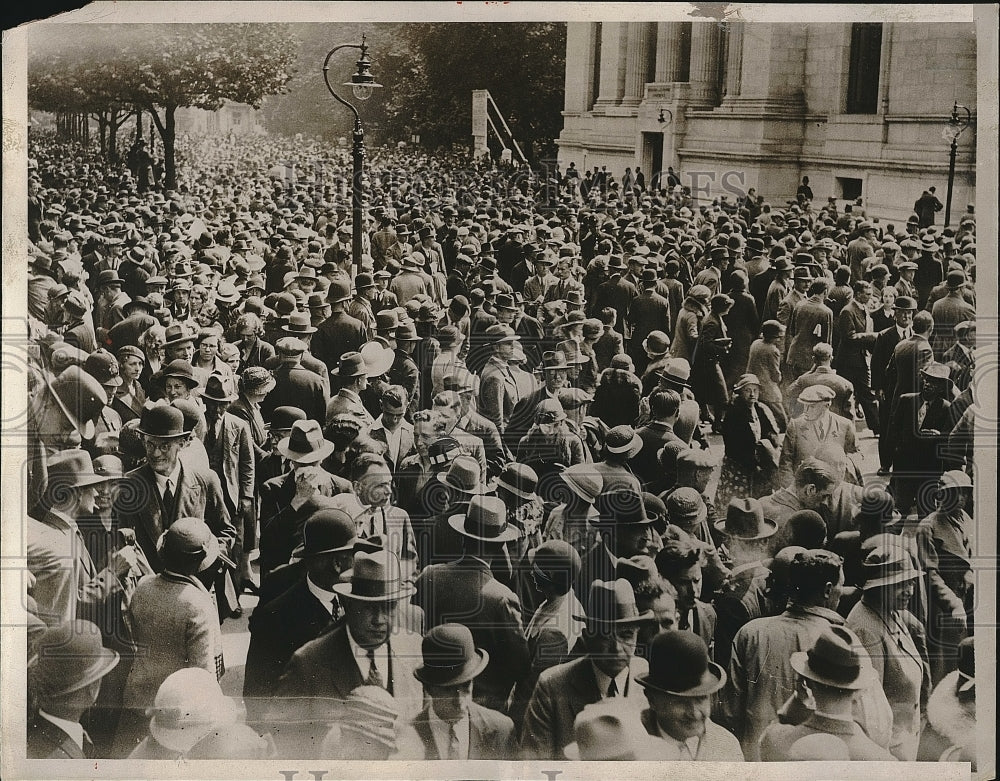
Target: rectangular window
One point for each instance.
(863, 73)
(850, 189)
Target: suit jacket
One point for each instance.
(299, 387)
(949, 312)
(778, 739)
(903, 371)
(47, 741)
(242, 409)
(67, 583)
(916, 449)
(963, 365)
(560, 694)
(277, 630)
(885, 345)
(198, 494)
(325, 669)
(258, 354)
(466, 592)
(131, 410)
(237, 476)
(805, 319)
(802, 441)
(649, 312)
(823, 375)
(497, 393)
(853, 338)
(486, 430)
(338, 334)
(349, 404)
(717, 744)
(378, 433)
(491, 736)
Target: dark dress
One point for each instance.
(746, 468)
(744, 326)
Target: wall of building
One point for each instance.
(768, 107)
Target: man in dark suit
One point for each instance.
(626, 531)
(959, 356)
(649, 312)
(254, 351)
(65, 681)
(153, 496)
(810, 322)
(853, 337)
(372, 648)
(663, 408)
(885, 345)
(452, 725)
(922, 422)
(909, 357)
(555, 374)
(465, 590)
(306, 610)
(339, 333)
(608, 670)
(295, 385)
(391, 428)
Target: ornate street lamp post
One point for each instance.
(362, 85)
(955, 127)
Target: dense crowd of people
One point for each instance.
(557, 468)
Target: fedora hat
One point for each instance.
(444, 450)
(745, 521)
(338, 292)
(257, 379)
(877, 508)
(520, 480)
(220, 388)
(675, 372)
(906, 303)
(305, 443)
(500, 333)
(622, 440)
(407, 332)
(226, 293)
(188, 547)
(298, 323)
(554, 359)
(835, 660)
(326, 531)
(612, 603)
(584, 481)
(505, 301)
(609, 731)
(176, 333)
(485, 520)
(450, 657)
(178, 369)
(885, 566)
(377, 357)
(109, 277)
(620, 507)
(679, 665)
(351, 365)
(463, 475)
(375, 577)
(189, 705)
(72, 469)
(139, 302)
(70, 656)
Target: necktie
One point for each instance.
(453, 742)
(612, 688)
(374, 676)
(210, 436)
(88, 746)
(168, 500)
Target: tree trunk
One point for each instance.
(168, 131)
(113, 125)
(102, 132)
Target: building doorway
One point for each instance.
(652, 157)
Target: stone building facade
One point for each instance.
(860, 109)
(237, 118)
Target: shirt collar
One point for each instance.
(174, 477)
(72, 728)
(361, 657)
(441, 730)
(692, 744)
(325, 597)
(604, 681)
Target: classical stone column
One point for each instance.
(704, 78)
(613, 44)
(637, 55)
(734, 60)
(579, 66)
(671, 51)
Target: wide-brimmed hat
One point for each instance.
(377, 357)
(69, 656)
(220, 388)
(620, 507)
(679, 665)
(583, 480)
(376, 576)
(305, 443)
(622, 440)
(178, 369)
(450, 657)
(226, 293)
(164, 421)
(188, 546)
(520, 480)
(257, 379)
(612, 602)
(610, 731)
(176, 333)
(188, 706)
(326, 531)
(351, 365)
(484, 520)
(836, 659)
(463, 475)
(885, 566)
(72, 469)
(745, 521)
(298, 323)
